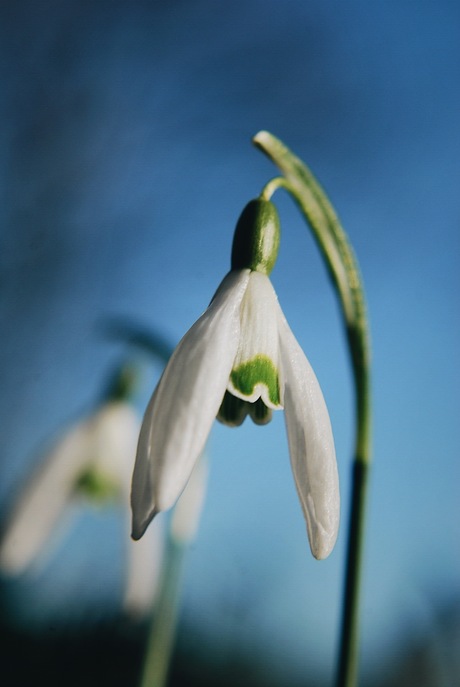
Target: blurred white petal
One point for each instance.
(187, 512)
(113, 441)
(42, 504)
(143, 569)
(311, 444)
(179, 418)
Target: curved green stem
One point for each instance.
(345, 275)
(272, 186)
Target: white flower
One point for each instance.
(240, 357)
(92, 461)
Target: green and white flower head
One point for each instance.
(240, 358)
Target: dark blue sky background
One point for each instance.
(125, 137)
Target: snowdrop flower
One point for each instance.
(91, 462)
(240, 358)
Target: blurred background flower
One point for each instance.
(90, 464)
(126, 163)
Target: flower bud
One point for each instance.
(257, 237)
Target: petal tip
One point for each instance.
(322, 542)
(321, 552)
(139, 527)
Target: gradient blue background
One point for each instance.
(126, 160)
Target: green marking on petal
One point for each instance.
(96, 487)
(260, 370)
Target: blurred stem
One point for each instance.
(343, 269)
(160, 641)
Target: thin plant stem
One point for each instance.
(160, 641)
(347, 673)
(343, 269)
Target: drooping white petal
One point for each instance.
(311, 444)
(42, 505)
(255, 371)
(142, 499)
(185, 404)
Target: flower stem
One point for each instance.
(343, 269)
(347, 673)
(272, 186)
(163, 624)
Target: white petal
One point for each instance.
(311, 444)
(180, 415)
(42, 505)
(114, 441)
(144, 562)
(187, 512)
(142, 499)
(258, 350)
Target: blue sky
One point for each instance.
(126, 134)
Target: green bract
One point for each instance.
(257, 237)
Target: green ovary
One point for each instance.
(258, 370)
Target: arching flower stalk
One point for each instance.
(240, 358)
(344, 270)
